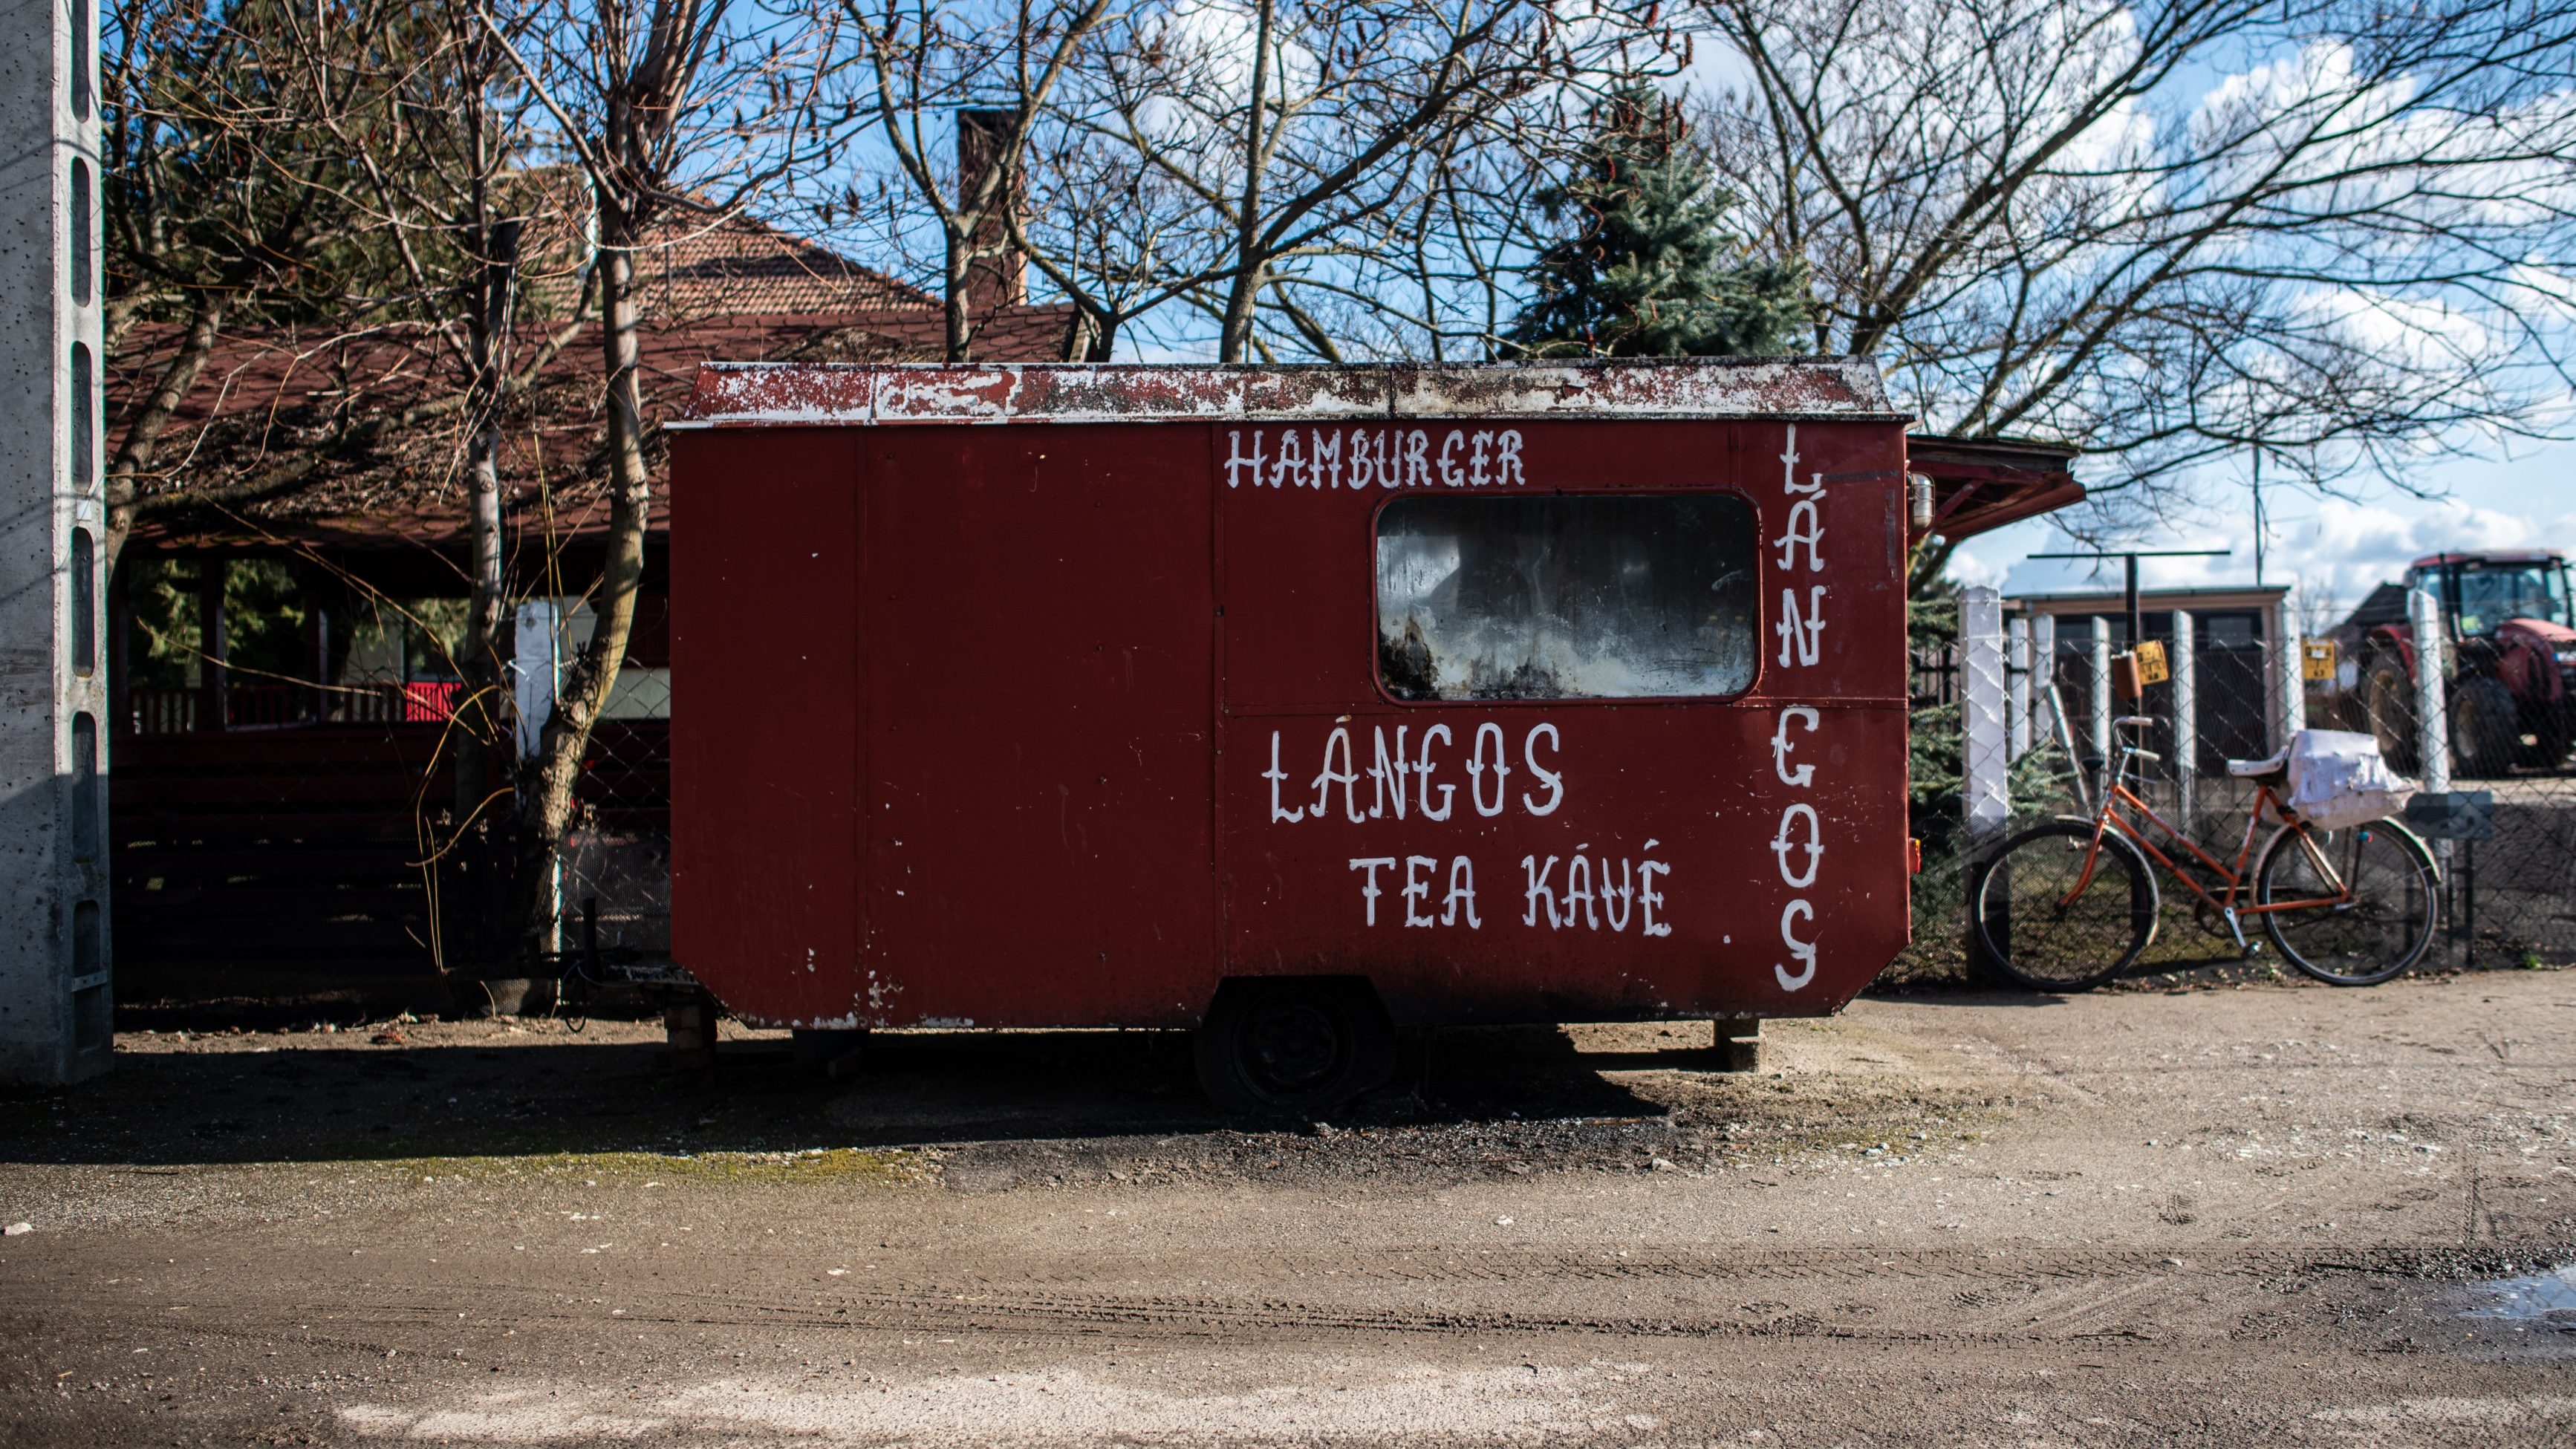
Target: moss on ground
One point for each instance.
(840, 1166)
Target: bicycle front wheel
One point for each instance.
(2379, 929)
(2058, 914)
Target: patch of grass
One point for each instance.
(832, 1165)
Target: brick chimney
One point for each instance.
(996, 281)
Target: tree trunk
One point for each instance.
(1251, 274)
(1094, 335)
(1236, 342)
(490, 340)
(485, 740)
(959, 340)
(1924, 565)
(548, 781)
(143, 433)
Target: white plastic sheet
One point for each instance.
(2338, 780)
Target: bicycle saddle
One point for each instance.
(2255, 769)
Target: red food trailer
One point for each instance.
(1294, 704)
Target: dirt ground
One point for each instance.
(2246, 1215)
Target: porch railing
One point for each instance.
(294, 706)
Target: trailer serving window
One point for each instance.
(1603, 596)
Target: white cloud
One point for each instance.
(2330, 545)
(2351, 547)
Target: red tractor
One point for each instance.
(2513, 661)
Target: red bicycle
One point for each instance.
(2067, 905)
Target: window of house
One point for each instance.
(1606, 596)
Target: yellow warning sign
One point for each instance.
(2316, 659)
(2151, 662)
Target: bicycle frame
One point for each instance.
(2108, 815)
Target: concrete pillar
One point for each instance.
(2185, 667)
(1981, 675)
(2290, 688)
(2102, 705)
(2433, 729)
(536, 669)
(2017, 666)
(2432, 690)
(538, 648)
(56, 1007)
(2043, 673)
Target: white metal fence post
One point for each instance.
(1985, 749)
(2186, 721)
(2101, 721)
(536, 669)
(2432, 714)
(2432, 694)
(2290, 688)
(2017, 686)
(2043, 673)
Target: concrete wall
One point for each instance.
(55, 1007)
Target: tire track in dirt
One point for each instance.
(2054, 1296)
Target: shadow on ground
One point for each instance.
(312, 1098)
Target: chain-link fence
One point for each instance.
(2014, 716)
(304, 795)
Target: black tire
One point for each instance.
(2549, 745)
(2041, 930)
(2486, 728)
(2388, 925)
(2392, 714)
(1292, 1046)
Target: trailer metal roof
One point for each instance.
(1982, 484)
(751, 395)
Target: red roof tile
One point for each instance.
(267, 395)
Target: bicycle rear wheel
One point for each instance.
(2385, 927)
(2047, 923)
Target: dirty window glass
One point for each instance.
(2493, 593)
(1630, 596)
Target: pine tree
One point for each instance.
(1648, 269)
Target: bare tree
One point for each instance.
(462, 206)
(2044, 220)
(658, 104)
(1315, 134)
(226, 198)
(1284, 170)
(920, 63)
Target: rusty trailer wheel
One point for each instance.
(1293, 1046)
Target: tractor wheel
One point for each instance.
(2392, 713)
(2549, 743)
(2485, 733)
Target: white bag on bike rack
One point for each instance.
(2338, 780)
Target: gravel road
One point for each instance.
(2251, 1214)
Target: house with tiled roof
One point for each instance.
(291, 605)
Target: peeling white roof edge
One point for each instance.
(737, 394)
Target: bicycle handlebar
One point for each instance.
(2139, 721)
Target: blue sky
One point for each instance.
(2521, 495)
(2344, 545)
